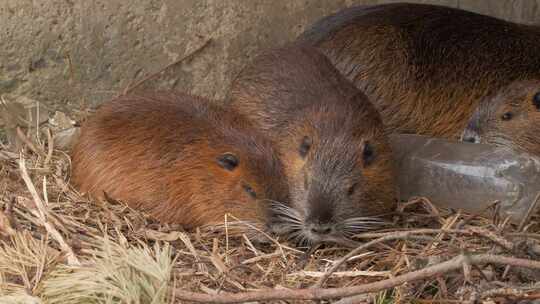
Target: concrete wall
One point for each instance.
(82, 52)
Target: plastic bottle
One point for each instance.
(466, 176)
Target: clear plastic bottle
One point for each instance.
(466, 176)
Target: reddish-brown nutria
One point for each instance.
(180, 158)
(337, 159)
(510, 118)
(426, 67)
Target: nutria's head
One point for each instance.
(341, 173)
(337, 160)
(253, 176)
(510, 118)
(235, 170)
(180, 158)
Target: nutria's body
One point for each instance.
(426, 67)
(509, 118)
(333, 144)
(178, 157)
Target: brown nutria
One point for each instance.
(333, 145)
(510, 118)
(180, 158)
(426, 67)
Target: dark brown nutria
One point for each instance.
(180, 158)
(334, 148)
(510, 118)
(426, 67)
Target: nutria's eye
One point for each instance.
(536, 100)
(305, 145)
(250, 191)
(228, 161)
(368, 153)
(352, 189)
(507, 116)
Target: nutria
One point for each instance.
(334, 148)
(180, 158)
(509, 118)
(426, 67)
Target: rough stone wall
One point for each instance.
(82, 52)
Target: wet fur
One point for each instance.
(157, 152)
(426, 67)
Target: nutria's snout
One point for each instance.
(472, 131)
(470, 136)
(319, 227)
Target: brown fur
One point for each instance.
(510, 118)
(158, 152)
(294, 93)
(425, 67)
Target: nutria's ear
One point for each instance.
(368, 153)
(305, 145)
(536, 100)
(228, 161)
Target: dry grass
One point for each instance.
(123, 256)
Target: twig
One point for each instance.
(278, 244)
(262, 257)
(372, 235)
(522, 293)
(5, 225)
(153, 75)
(50, 144)
(447, 225)
(524, 221)
(340, 274)
(387, 237)
(501, 241)
(455, 263)
(471, 216)
(29, 143)
(529, 212)
(6, 155)
(41, 213)
(523, 235)
(185, 239)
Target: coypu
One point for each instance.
(180, 158)
(509, 118)
(426, 67)
(333, 145)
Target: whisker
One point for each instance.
(378, 224)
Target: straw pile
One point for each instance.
(57, 246)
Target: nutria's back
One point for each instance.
(425, 66)
(179, 157)
(333, 144)
(509, 118)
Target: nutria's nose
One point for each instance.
(321, 229)
(470, 139)
(470, 135)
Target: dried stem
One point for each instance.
(396, 236)
(455, 263)
(50, 143)
(41, 213)
(29, 143)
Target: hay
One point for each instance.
(123, 256)
(116, 273)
